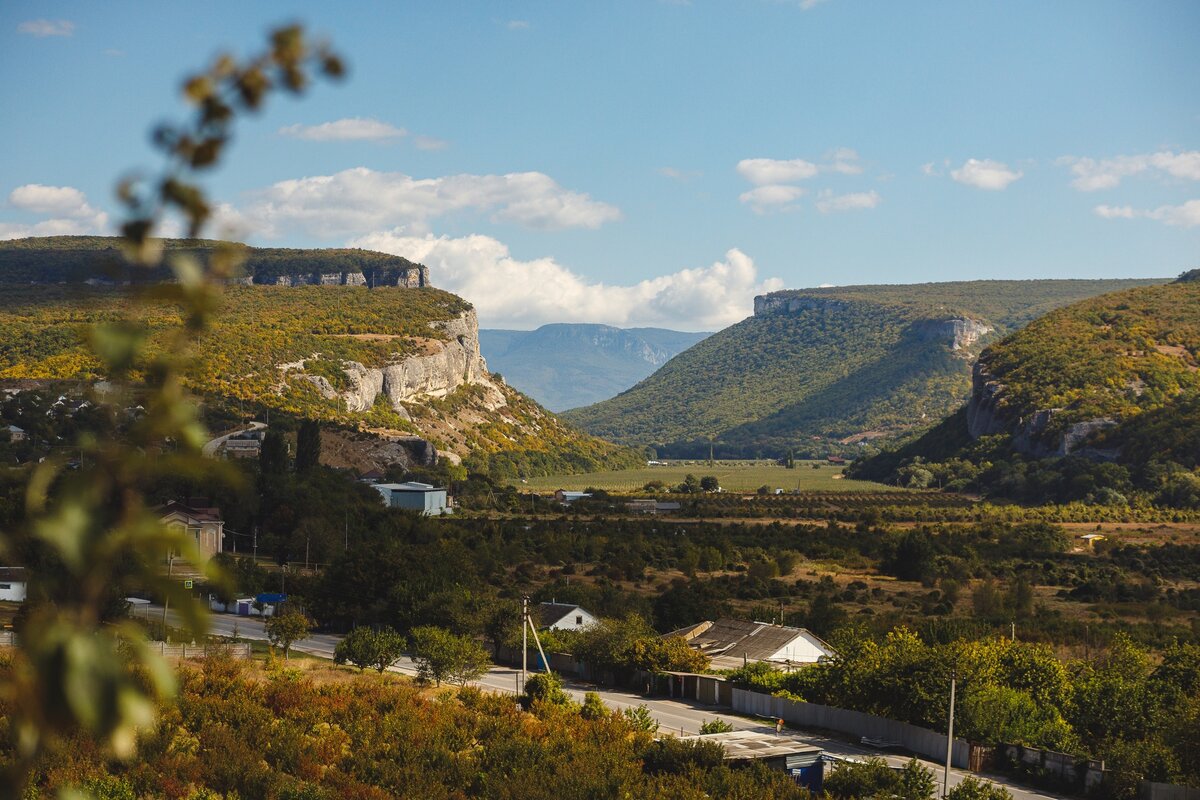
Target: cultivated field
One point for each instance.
(735, 476)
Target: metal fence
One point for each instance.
(1151, 790)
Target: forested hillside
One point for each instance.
(566, 365)
(289, 348)
(1110, 379)
(821, 370)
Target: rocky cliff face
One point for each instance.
(445, 365)
(959, 333)
(409, 278)
(766, 305)
(987, 415)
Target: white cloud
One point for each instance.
(985, 174)
(352, 129)
(763, 171)
(517, 24)
(775, 197)
(807, 5)
(47, 27)
(68, 209)
(679, 174)
(843, 160)
(847, 202)
(1186, 215)
(429, 143)
(1092, 175)
(358, 200)
(508, 292)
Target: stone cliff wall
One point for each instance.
(410, 278)
(986, 416)
(454, 362)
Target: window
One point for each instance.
(5, 585)
(579, 619)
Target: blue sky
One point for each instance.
(649, 162)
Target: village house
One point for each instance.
(203, 523)
(12, 584)
(563, 617)
(16, 434)
(731, 643)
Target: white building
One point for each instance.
(563, 617)
(12, 584)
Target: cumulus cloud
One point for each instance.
(354, 201)
(68, 210)
(508, 292)
(843, 160)
(1092, 174)
(47, 27)
(764, 171)
(829, 202)
(985, 174)
(352, 129)
(764, 199)
(1186, 215)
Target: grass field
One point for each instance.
(735, 476)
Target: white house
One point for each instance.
(563, 617)
(12, 584)
(732, 643)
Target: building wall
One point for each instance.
(568, 622)
(802, 649)
(430, 503)
(13, 591)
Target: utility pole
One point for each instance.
(306, 538)
(255, 544)
(167, 598)
(949, 738)
(524, 640)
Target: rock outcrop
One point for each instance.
(959, 333)
(766, 305)
(451, 363)
(1031, 432)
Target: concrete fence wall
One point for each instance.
(8, 639)
(1082, 773)
(924, 742)
(234, 649)
(1151, 790)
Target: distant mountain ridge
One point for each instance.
(98, 260)
(822, 370)
(566, 365)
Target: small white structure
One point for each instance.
(732, 643)
(426, 498)
(12, 584)
(16, 434)
(566, 498)
(563, 617)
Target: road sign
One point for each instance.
(187, 584)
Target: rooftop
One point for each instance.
(410, 486)
(743, 745)
(751, 641)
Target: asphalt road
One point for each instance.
(210, 449)
(678, 717)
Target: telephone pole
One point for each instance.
(949, 739)
(524, 639)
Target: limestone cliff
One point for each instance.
(1033, 434)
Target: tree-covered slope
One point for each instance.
(567, 365)
(822, 369)
(1114, 378)
(395, 361)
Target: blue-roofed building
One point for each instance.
(426, 498)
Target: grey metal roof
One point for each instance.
(742, 745)
(752, 641)
(550, 613)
